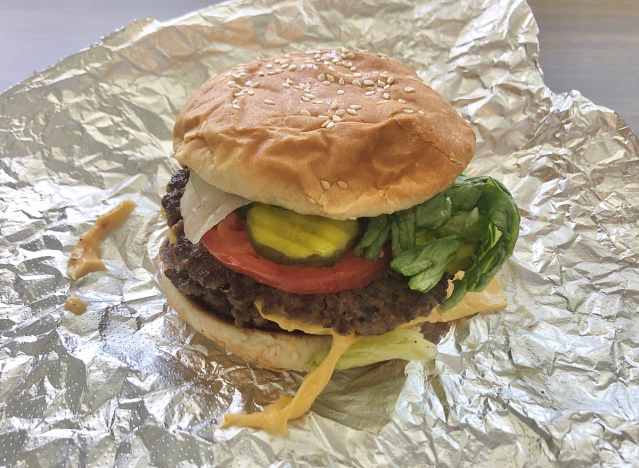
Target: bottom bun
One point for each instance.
(272, 350)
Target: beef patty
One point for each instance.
(373, 309)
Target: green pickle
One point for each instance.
(289, 238)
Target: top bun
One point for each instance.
(331, 132)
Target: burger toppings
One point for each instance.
(474, 223)
(373, 309)
(229, 243)
(288, 238)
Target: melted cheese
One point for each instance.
(76, 305)
(275, 416)
(172, 236)
(490, 298)
(85, 258)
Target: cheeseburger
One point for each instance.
(321, 217)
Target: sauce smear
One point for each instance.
(85, 258)
(76, 305)
(275, 416)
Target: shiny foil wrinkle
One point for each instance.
(552, 380)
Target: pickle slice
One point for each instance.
(289, 238)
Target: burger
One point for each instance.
(321, 219)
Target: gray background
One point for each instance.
(589, 45)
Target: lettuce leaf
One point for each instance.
(476, 211)
(401, 343)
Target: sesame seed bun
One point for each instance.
(338, 133)
(277, 351)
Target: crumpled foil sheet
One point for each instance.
(552, 380)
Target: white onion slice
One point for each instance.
(204, 206)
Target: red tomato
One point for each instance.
(229, 243)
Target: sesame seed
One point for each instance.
(241, 93)
(351, 111)
(326, 123)
(277, 60)
(409, 111)
(331, 68)
(384, 74)
(390, 80)
(386, 96)
(330, 125)
(401, 101)
(292, 67)
(270, 73)
(312, 202)
(409, 89)
(321, 77)
(269, 65)
(353, 68)
(383, 101)
(268, 101)
(368, 83)
(340, 112)
(255, 85)
(326, 83)
(326, 185)
(289, 81)
(309, 52)
(369, 93)
(250, 92)
(381, 83)
(287, 55)
(260, 74)
(278, 71)
(340, 91)
(341, 81)
(305, 99)
(286, 85)
(316, 56)
(235, 106)
(350, 55)
(341, 184)
(355, 106)
(387, 86)
(310, 96)
(236, 75)
(334, 105)
(305, 112)
(357, 83)
(330, 78)
(348, 64)
(235, 101)
(323, 116)
(421, 112)
(370, 88)
(204, 124)
(337, 118)
(357, 75)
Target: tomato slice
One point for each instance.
(229, 243)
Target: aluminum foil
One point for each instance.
(552, 380)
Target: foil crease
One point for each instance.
(552, 380)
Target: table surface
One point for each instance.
(588, 45)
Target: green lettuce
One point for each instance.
(476, 212)
(401, 343)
